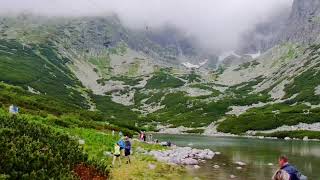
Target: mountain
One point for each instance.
(159, 78)
(300, 24)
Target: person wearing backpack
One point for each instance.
(287, 171)
(127, 149)
(122, 145)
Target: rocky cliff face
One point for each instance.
(301, 25)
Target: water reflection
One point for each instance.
(258, 154)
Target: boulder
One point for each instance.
(152, 166)
(240, 163)
(189, 161)
(196, 166)
(232, 176)
(81, 142)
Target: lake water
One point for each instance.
(256, 153)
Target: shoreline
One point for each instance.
(242, 136)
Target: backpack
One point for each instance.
(293, 172)
(121, 144)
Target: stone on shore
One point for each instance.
(240, 163)
(196, 166)
(216, 166)
(232, 176)
(152, 166)
(183, 155)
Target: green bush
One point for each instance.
(268, 117)
(32, 151)
(162, 80)
(293, 134)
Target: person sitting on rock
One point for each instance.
(287, 171)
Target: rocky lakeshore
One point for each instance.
(183, 155)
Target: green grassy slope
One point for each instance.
(41, 68)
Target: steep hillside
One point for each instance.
(156, 77)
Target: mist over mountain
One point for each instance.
(215, 25)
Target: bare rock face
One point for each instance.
(300, 24)
(303, 24)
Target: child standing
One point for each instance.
(116, 154)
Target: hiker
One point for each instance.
(116, 154)
(287, 171)
(122, 145)
(127, 149)
(150, 138)
(144, 137)
(141, 136)
(13, 109)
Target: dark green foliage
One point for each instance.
(194, 131)
(268, 117)
(293, 134)
(127, 80)
(304, 85)
(40, 68)
(246, 65)
(42, 105)
(162, 79)
(32, 103)
(192, 77)
(206, 87)
(117, 113)
(33, 151)
(188, 111)
(242, 94)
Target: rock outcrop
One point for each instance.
(182, 155)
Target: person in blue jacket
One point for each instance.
(287, 171)
(122, 145)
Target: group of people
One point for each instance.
(122, 148)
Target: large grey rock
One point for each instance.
(182, 155)
(189, 161)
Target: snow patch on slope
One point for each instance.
(196, 66)
(227, 54)
(254, 56)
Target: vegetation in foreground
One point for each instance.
(52, 131)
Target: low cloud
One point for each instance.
(216, 24)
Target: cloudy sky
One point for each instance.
(213, 22)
